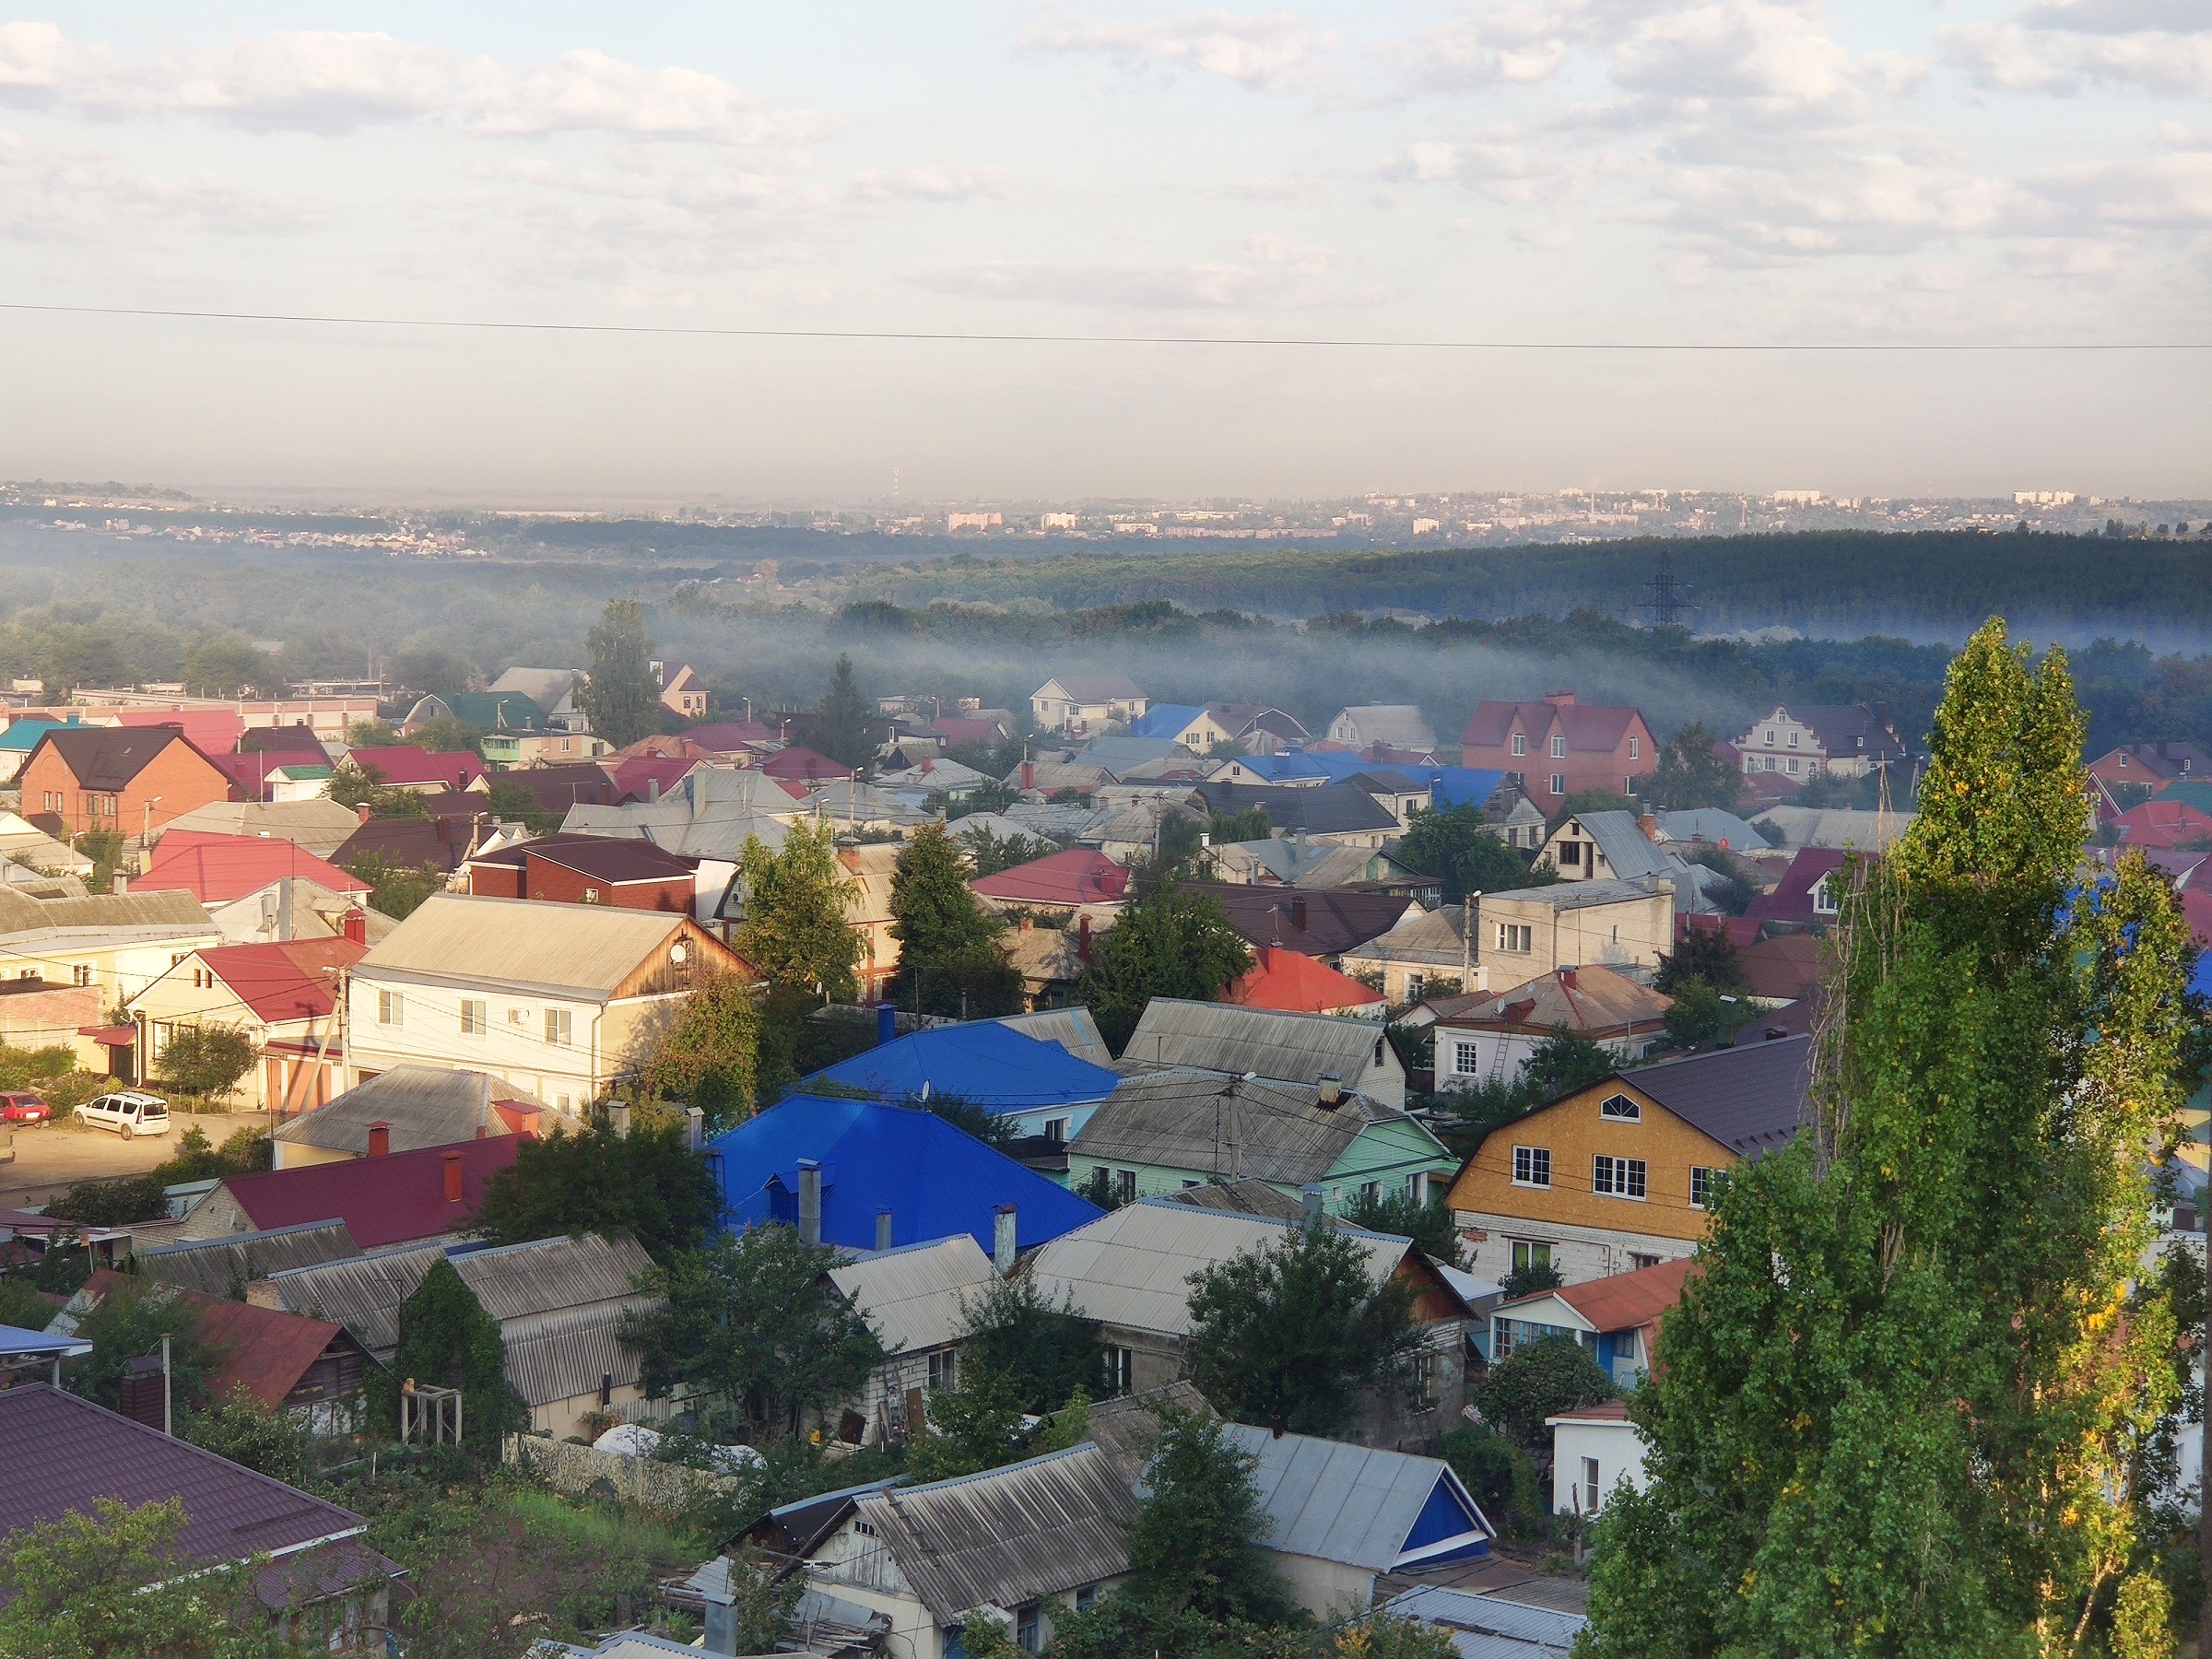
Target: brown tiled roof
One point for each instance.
(1584, 1000)
(1626, 1301)
(606, 858)
(1784, 968)
(1588, 728)
(1317, 924)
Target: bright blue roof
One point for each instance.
(24, 735)
(2200, 977)
(936, 1180)
(1165, 720)
(992, 1065)
(1292, 765)
(1451, 786)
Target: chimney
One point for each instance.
(1308, 1206)
(928, 761)
(1298, 914)
(1648, 824)
(122, 883)
(362, 812)
(356, 925)
(618, 1118)
(452, 1177)
(886, 1022)
(1332, 1091)
(652, 791)
(810, 1202)
(1567, 978)
(380, 1139)
(1027, 925)
(882, 1229)
(1083, 940)
(1560, 699)
(1028, 774)
(1002, 1238)
(695, 1127)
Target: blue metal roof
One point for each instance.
(1165, 720)
(16, 1343)
(992, 1065)
(936, 1180)
(1451, 786)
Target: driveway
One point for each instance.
(51, 1158)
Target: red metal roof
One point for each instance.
(803, 763)
(212, 731)
(1628, 1300)
(1289, 983)
(265, 1350)
(725, 737)
(1588, 728)
(1080, 876)
(410, 763)
(390, 1200)
(216, 869)
(284, 981)
(636, 775)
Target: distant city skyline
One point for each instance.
(1571, 173)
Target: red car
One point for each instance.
(19, 1108)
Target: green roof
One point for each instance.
(2189, 794)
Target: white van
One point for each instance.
(128, 1111)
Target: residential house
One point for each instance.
(1558, 746)
(441, 844)
(683, 692)
(26, 847)
(802, 766)
(1487, 1037)
(864, 1175)
(1049, 959)
(2165, 821)
(2128, 773)
(1527, 933)
(1784, 968)
(1188, 725)
(559, 1000)
(327, 717)
(708, 816)
(1286, 982)
(857, 808)
(410, 1107)
(1617, 846)
(127, 781)
(1398, 725)
(277, 774)
(1123, 756)
(398, 1199)
(1845, 740)
(20, 738)
(1835, 829)
(552, 689)
(1807, 895)
(593, 869)
(1161, 1131)
(486, 711)
(646, 777)
(1129, 1273)
(1336, 814)
(1259, 730)
(320, 827)
(1709, 825)
(322, 1582)
(1320, 924)
(362, 1292)
(282, 995)
(934, 777)
(1021, 1076)
(1617, 1175)
(560, 785)
(1593, 1449)
(229, 1265)
(114, 944)
(418, 772)
(1615, 1318)
(252, 885)
(1315, 865)
(1306, 1049)
(917, 1299)
(1432, 954)
(1079, 882)
(1082, 703)
(1073, 1029)
(520, 751)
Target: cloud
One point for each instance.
(2157, 45)
(2166, 192)
(1273, 272)
(1267, 52)
(931, 184)
(49, 193)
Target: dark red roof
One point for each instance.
(726, 737)
(216, 869)
(409, 763)
(572, 783)
(265, 1350)
(63, 1454)
(1792, 900)
(636, 776)
(284, 981)
(604, 858)
(2162, 822)
(1588, 728)
(390, 1200)
(407, 844)
(803, 763)
(1079, 875)
(107, 758)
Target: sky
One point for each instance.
(1579, 174)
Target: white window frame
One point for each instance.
(391, 1008)
(1589, 1484)
(1532, 1167)
(475, 1016)
(1558, 746)
(1521, 1253)
(1633, 1114)
(1824, 898)
(1521, 745)
(560, 1028)
(1701, 1186)
(1467, 1057)
(1517, 938)
(1612, 1177)
(1635, 747)
(1559, 784)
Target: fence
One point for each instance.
(641, 1482)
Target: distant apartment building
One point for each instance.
(1844, 740)
(327, 717)
(1558, 746)
(974, 520)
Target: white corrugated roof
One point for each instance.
(524, 944)
(1290, 1048)
(917, 1297)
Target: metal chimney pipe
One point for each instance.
(886, 1023)
(1002, 1237)
(695, 1127)
(810, 1202)
(1308, 1206)
(882, 1229)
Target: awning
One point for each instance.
(121, 1036)
(16, 1343)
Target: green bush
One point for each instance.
(1541, 1379)
(205, 1059)
(1502, 1476)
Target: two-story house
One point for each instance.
(1081, 704)
(127, 781)
(1841, 740)
(1616, 1176)
(1529, 932)
(558, 999)
(1559, 746)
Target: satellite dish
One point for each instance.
(676, 954)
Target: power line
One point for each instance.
(960, 337)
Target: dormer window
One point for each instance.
(1521, 745)
(1620, 1108)
(1824, 897)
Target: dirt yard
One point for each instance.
(51, 1158)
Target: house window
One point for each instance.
(1769, 763)
(1635, 747)
(1124, 1185)
(1529, 1255)
(1426, 1367)
(1559, 783)
(1589, 1485)
(1085, 1596)
(1415, 985)
(1770, 736)
(1700, 1187)
(82, 974)
(1121, 1371)
(1751, 763)
(1558, 746)
(1521, 745)
(1617, 1177)
(1620, 1108)
(1055, 1131)
(560, 1027)
(591, 895)
(1570, 855)
(1371, 1192)
(1824, 897)
(390, 1007)
(475, 1016)
(1025, 1630)
(944, 1369)
(1793, 740)
(1637, 1261)
(1793, 766)
(1517, 936)
(1466, 1058)
(1532, 1166)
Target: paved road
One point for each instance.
(51, 1156)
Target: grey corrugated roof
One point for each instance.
(1752, 1099)
(1623, 843)
(1433, 940)
(516, 1282)
(320, 826)
(1290, 1048)
(1832, 828)
(1126, 1428)
(162, 912)
(426, 1105)
(579, 950)
(218, 1266)
(1712, 824)
(1340, 1502)
(562, 1356)
(1009, 1536)
(917, 1297)
(1497, 1627)
(1226, 1126)
(1133, 1266)
(362, 1293)
(1576, 895)
(1072, 1028)
(1240, 1198)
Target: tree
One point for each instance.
(205, 1060)
(447, 1340)
(1383, 1635)
(1693, 772)
(1591, 800)
(1701, 954)
(119, 1584)
(1196, 1543)
(1908, 1400)
(647, 1184)
(229, 667)
(709, 1056)
(1046, 1351)
(1501, 1475)
(1250, 825)
(620, 698)
(446, 734)
(842, 718)
(395, 890)
(1172, 945)
(357, 786)
(969, 1118)
(981, 1425)
(128, 1323)
(1292, 1333)
(1430, 1225)
(432, 671)
(1699, 1014)
(988, 854)
(754, 1320)
(794, 930)
(511, 803)
(1540, 1379)
(247, 1432)
(1527, 1282)
(1562, 1063)
(950, 960)
(1458, 847)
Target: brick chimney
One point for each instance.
(356, 925)
(1083, 940)
(380, 1139)
(1028, 774)
(1648, 824)
(1567, 978)
(452, 1177)
(1298, 914)
(1560, 699)
(362, 812)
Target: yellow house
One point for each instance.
(1616, 1176)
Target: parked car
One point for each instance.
(17, 1106)
(128, 1111)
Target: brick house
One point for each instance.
(130, 780)
(2135, 771)
(1557, 747)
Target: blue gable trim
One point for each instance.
(1445, 1530)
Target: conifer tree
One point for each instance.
(1907, 1402)
(620, 698)
(794, 930)
(949, 951)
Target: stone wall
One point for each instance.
(641, 1482)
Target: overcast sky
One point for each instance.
(1583, 171)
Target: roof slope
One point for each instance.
(1711, 824)
(1095, 687)
(918, 1297)
(1625, 1301)
(584, 950)
(1232, 1128)
(1320, 924)
(407, 764)
(1591, 726)
(1079, 875)
(1751, 1099)
(1008, 1535)
(1073, 1029)
(1318, 810)
(425, 1105)
(604, 857)
(1624, 845)
(389, 1200)
(1340, 1502)
(995, 1066)
(362, 1293)
(220, 1266)
(107, 758)
(319, 826)
(562, 1305)
(1290, 1048)
(285, 980)
(1575, 999)
(1286, 982)
(264, 1351)
(153, 915)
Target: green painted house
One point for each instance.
(1164, 1131)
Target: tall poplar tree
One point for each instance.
(620, 698)
(1906, 1404)
(794, 930)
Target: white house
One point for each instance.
(1398, 725)
(1593, 1451)
(1845, 740)
(1083, 703)
(917, 1299)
